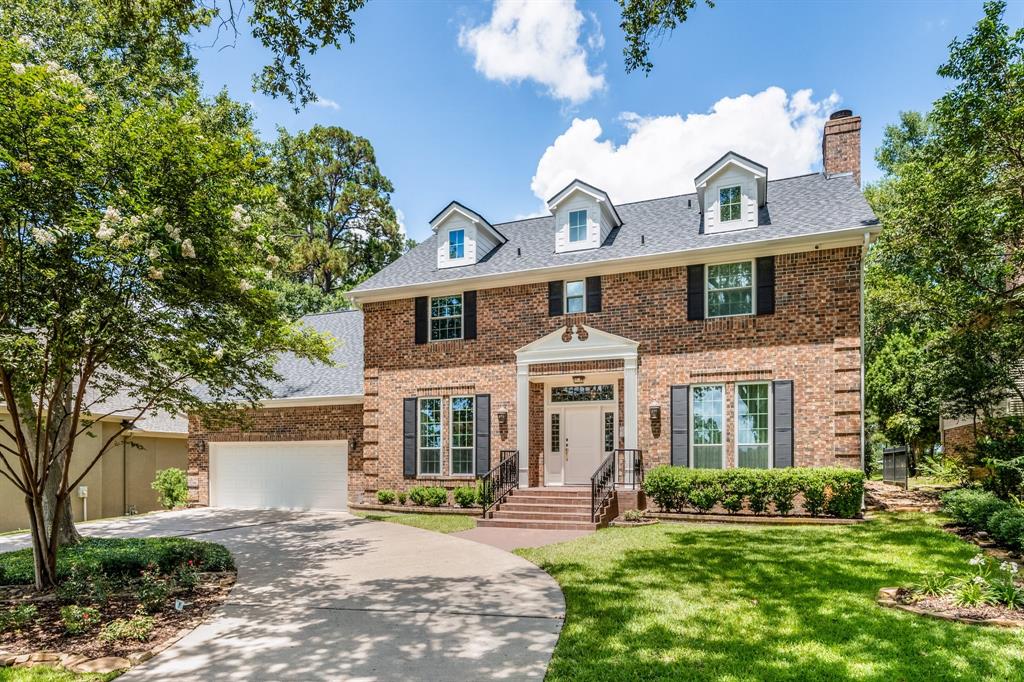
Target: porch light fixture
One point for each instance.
(502, 416)
(655, 409)
(578, 379)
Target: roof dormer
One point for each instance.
(463, 236)
(730, 192)
(584, 216)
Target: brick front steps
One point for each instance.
(543, 509)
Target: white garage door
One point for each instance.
(281, 475)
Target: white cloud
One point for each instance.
(537, 41)
(400, 219)
(327, 104)
(665, 153)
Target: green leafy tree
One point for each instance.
(135, 247)
(339, 214)
(171, 486)
(947, 275)
(647, 20)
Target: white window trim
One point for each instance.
(771, 422)
(721, 189)
(692, 430)
(565, 295)
(451, 438)
(450, 233)
(419, 437)
(753, 288)
(431, 318)
(586, 225)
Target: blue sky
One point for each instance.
(457, 107)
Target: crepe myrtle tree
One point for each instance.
(135, 264)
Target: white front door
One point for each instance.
(583, 448)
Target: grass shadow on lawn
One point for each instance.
(718, 602)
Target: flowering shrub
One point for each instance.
(152, 590)
(984, 583)
(187, 577)
(84, 584)
(138, 627)
(830, 491)
(79, 619)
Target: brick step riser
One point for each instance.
(545, 507)
(550, 499)
(535, 525)
(551, 492)
(543, 516)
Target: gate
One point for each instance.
(895, 466)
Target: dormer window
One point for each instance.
(577, 226)
(457, 244)
(575, 297)
(730, 202)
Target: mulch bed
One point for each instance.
(942, 607)
(46, 632)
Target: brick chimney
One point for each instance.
(840, 145)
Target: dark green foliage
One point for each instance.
(15, 618)
(971, 507)
(429, 496)
(1001, 449)
(120, 558)
(385, 496)
(79, 619)
(831, 491)
(465, 496)
(84, 584)
(152, 590)
(1006, 527)
(646, 20)
(171, 486)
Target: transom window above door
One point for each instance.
(730, 289)
(446, 317)
(575, 297)
(575, 394)
(577, 225)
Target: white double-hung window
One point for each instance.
(707, 423)
(753, 426)
(428, 439)
(577, 225)
(575, 297)
(730, 203)
(461, 437)
(730, 289)
(456, 244)
(446, 317)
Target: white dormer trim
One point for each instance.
(479, 236)
(742, 163)
(599, 196)
(602, 217)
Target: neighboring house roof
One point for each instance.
(800, 206)
(305, 379)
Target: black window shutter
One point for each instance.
(554, 298)
(782, 438)
(680, 410)
(469, 315)
(409, 437)
(422, 322)
(482, 444)
(594, 294)
(766, 285)
(695, 292)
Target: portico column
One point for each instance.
(630, 403)
(523, 422)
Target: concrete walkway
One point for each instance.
(509, 539)
(330, 596)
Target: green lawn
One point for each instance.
(730, 602)
(441, 523)
(41, 673)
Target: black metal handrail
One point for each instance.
(497, 483)
(624, 468)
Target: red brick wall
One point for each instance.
(813, 339)
(840, 146)
(325, 422)
(961, 440)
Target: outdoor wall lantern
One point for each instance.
(502, 416)
(655, 409)
(578, 379)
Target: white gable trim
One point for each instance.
(600, 196)
(732, 159)
(598, 345)
(469, 214)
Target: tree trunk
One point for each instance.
(67, 534)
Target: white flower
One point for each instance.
(153, 253)
(281, 203)
(239, 216)
(978, 560)
(218, 354)
(260, 238)
(18, 68)
(26, 42)
(124, 241)
(52, 66)
(186, 249)
(105, 232)
(156, 273)
(245, 285)
(978, 580)
(112, 215)
(174, 232)
(158, 211)
(43, 237)
(273, 260)
(1009, 567)
(134, 221)
(71, 78)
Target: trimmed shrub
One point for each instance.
(79, 619)
(1006, 526)
(402, 497)
(385, 496)
(465, 496)
(433, 496)
(971, 507)
(833, 491)
(171, 486)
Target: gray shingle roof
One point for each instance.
(304, 379)
(802, 205)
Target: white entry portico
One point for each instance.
(581, 424)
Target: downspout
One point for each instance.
(863, 266)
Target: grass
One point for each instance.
(440, 523)
(43, 673)
(725, 602)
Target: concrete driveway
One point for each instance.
(332, 596)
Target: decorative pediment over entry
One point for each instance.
(573, 343)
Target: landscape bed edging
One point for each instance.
(887, 597)
(756, 520)
(418, 509)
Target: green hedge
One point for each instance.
(829, 491)
(120, 558)
(981, 510)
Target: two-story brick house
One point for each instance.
(720, 328)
